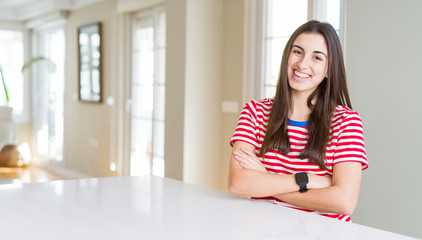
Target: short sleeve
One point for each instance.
(350, 145)
(246, 130)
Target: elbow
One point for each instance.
(347, 207)
(347, 210)
(344, 202)
(234, 187)
(235, 182)
(238, 185)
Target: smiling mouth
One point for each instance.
(302, 75)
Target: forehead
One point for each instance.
(311, 42)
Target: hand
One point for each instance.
(248, 159)
(316, 182)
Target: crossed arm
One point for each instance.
(339, 194)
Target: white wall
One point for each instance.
(89, 128)
(233, 75)
(175, 87)
(193, 91)
(384, 47)
(204, 49)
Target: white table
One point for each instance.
(156, 208)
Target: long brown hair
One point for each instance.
(332, 91)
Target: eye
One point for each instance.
(318, 58)
(296, 51)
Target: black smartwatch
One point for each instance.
(302, 180)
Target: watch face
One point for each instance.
(301, 177)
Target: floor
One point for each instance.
(28, 174)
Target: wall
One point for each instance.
(383, 61)
(233, 75)
(88, 126)
(175, 87)
(204, 49)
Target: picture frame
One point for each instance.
(90, 63)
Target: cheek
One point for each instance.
(323, 70)
(291, 60)
(290, 65)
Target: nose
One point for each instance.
(303, 63)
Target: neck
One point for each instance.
(300, 111)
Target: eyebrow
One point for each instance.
(314, 51)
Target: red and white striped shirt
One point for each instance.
(346, 144)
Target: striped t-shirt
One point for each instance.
(346, 144)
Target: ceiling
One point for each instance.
(22, 10)
(15, 3)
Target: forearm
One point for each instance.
(253, 183)
(249, 177)
(332, 199)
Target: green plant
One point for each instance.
(25, 66)
(32, 61)
(4, 84)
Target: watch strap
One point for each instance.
(302, 180)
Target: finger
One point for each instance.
(252, 158)
(244, 162)
(247, 152)
(247, 160)
(240, 154)
(251, 163)
(238, 158)
(244, 165)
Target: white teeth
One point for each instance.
(302, 75)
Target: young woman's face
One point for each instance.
(308, 63)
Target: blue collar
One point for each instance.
(298, 123)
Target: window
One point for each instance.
(280, 19)
(48, 91)
(329, 11)
(11, 61)
(148, 92)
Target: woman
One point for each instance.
(303, 149)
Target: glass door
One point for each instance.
(148, 93)
(48, 90)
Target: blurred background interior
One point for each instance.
(131, 87)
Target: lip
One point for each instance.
(300, 79)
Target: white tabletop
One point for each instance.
(156, 208)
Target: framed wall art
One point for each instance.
(90, 60)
